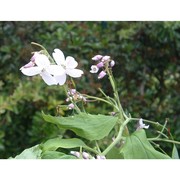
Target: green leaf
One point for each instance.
(175, 154)
(56, 155)
(91, 127)
(30, 153)
(53, 144)
(114, 153)
(138, 147)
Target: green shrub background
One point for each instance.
(147, 71)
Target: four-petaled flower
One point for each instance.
(141, 125)
(40, 64)
(69, 64)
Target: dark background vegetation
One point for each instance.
(147, 71)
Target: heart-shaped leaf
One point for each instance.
(91, 127)
(138, 147)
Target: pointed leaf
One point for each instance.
(175, 154)
(30, 153)
(91, 127)
(138, 147)
(53, 144)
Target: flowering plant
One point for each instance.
(102, 136)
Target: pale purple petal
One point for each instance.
(58, 56)
(61, 79)
(56, 70)
(48, 79)
(74, 72)
(41, 60)
(32, 71)
(71, 63)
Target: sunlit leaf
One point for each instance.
(91, 127)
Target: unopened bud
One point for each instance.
(99, 65)
(112, 63)
(75, 153)
(105, 58)
(85, 155)
(101, 74)
(100, 157)
(71, 106)
(97, 57)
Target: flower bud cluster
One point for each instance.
(85, 155)
(73, 95)
(102, 62)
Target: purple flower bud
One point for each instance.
(67, 99)
(99, 65)
(97, 57)
(85, 155)
(105, 58)
(72, 91)
(112, 63)
(100, 157)
(75, 153)
(71, 106)
(101, 74)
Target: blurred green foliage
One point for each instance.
(147, 72)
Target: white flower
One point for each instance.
(40, 64)
(142, 125)
(69, 64)
(94, 69)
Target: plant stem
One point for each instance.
(52, 60)
(118, 138)
(165, 140)
(100, 99)
(91, 149)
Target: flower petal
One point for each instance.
(71, 63)
(74, 72)
(55, 70)
(61, 79)
(58, 56)
(41, 60)
(32, 71)
(48, 79)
